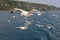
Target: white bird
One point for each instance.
(25, 26)
(26, 13)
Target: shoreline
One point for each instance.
(4, 11)
(41, 11)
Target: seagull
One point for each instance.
(25, 26)
(26, 13)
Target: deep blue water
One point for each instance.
(8, 30)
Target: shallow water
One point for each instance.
(38, 30)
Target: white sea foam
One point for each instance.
(55, 15)
(39, 14)
(49, 26)
(13, 16)
(9, 21)
(38, 22)
(22, 28)
(39, 25)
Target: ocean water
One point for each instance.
(44, 27)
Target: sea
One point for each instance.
(43, 27)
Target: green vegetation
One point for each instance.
(7, 5)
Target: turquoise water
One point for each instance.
(8, 30)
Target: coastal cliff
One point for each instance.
(7, 5)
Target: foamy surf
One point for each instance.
(54, 15)
(49, 26)
(22, 28)
(8, 20)
(39, 25)
(13, 16)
